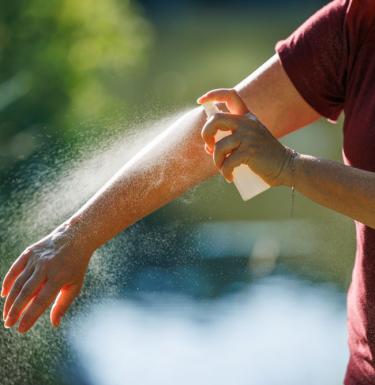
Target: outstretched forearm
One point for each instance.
(167, 167)
(177, 161)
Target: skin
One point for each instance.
(321, 180)
(53, 269)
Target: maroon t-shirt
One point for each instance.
(331, 61)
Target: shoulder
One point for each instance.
(360, 18)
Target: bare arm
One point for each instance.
(271, 96)
(173, 165)
(347, 190)
(55, 266)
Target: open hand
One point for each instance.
(50, 270)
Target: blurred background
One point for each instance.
(208, 289)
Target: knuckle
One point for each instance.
(27, 252)
(204, 132)
(40, 266)
(217, 118)
(32, 261)
(30, 252)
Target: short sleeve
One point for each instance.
(315, 58)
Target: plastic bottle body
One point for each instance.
(246, 181)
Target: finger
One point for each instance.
(14, 291)
(29, 290)
(228, 96)
(231, 162)
(223, 148)
(14, 271)
(208, 149)
(38, 305)
(62, 303)
(220, 121)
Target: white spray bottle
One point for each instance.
(247, 182)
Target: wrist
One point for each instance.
(77, 236)
(288, 176)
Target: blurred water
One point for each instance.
(279, 330)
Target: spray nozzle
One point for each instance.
(210, 109)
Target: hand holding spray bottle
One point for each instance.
(247, 182)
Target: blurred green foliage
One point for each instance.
(62, 62)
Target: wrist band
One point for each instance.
(292, 169)
(251, 116)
